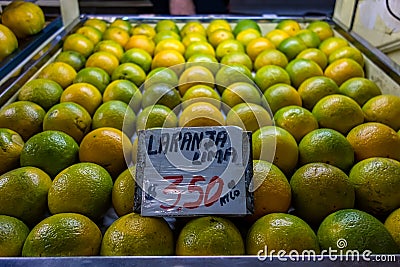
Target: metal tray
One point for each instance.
(379, 68)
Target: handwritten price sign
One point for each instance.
(193, 171)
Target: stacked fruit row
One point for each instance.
(325, 148)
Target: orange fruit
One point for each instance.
(384, 109)
(281, 232)
(276, 145)
(94, 76)
(281, 95)
(296, 120)
(210, 235)
(326, 146)
(162, 94)
(245, 24)
(257, 45)
(156, 116)
(125, 91)
(204, 60)
(315, 88)
(373, 139)
(43, 92)
(110, 46)
(375, 181)
(392, 225)
(246, 36)
(291, 27)
(343, 69)
(331, 44)
(271, 188)
(143, 29)
(228, 75)
(276, 36)
(83, 188)
(310, 38)
(11, 143)
(142, 42)
(201, 93)
(228, 46)
(193, 76)
(319, 189)
(60, 72)
(23, 117)
(123, 192)
(99, 24)
(78, 43)
(315, 55)
(220, 35)
(270, 75)
(338, 112)
(161, 75)
(192, 27)
(165, 35)
(166, 25)
(83, 94)
(322, 28)
(200, 47)
(116, 34)
(170, 44)
(241, 92)
(13, 235)
(270, 57)
(103, 60)
(121, 23)
(360, 89)
(70, 118)
(138, 56)
(347, 52)
(138, 236)
(8, 40)
(301, 69)
(248, 116)
(107, 147)
(235, 58)
(72, 58)
(131, 72)
(91, 33)
(193, 37)
(51, 151)
(217, 24)
(23, 18)
(169, 58)
(201, 114)
(292, 46)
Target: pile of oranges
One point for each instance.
(325, 140)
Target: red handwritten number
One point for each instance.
(172, 189)
(209, 201)
(195, 188)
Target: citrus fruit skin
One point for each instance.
(315, 88)
(209, 236)
(326, 146)
(322, 28)
(95, 76)
(360, 230)
(83, 94)
(13, 233)
(270, 75)
(161, 94)
(65, 234)
(384, 109)
(272, 189)
(376, 181)
(280, 231)
(241, 92)
(201, 114)
(343, 69)
(392, 224)
(301, 69)
(156, 116)
(201, 93)
(60, 72)
(110, 46)
(83, 188)
(23, 194)
(319, 189)
(123, 192)
(276, 145)
(23, 18)
(228, 75)
(373, 139)
(8, 40)
(360, 89)
(245, 24)
(11, 145)
(281, 95)
(45, 93)
(296, 120)
(338, 112)
(129, 71)
(195, 75)
(248, 116)
(134, 235)
(99, 24)
(79, 43)
(125, 91)
(51, 151)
